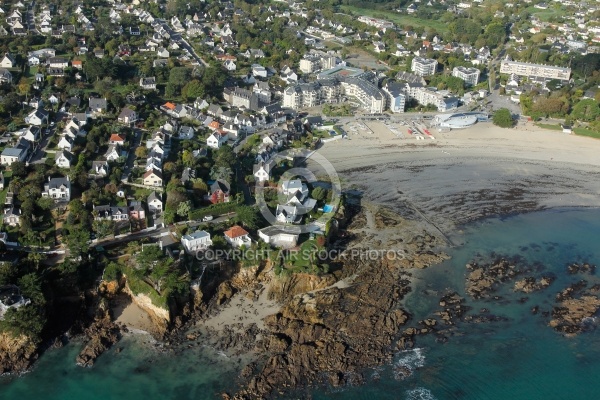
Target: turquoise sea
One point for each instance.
(518, 358)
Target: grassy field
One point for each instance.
(587, 132)
(554, 127)
(399, 19)
(545, 15)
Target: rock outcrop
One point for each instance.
(330, 335)
(483, 280)
(570, 315)
(17, 353)
(529, 284)
(101, 335)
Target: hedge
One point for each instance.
(215, 209)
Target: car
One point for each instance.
(207, 218)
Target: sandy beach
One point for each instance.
(131, 315)
(241, 312)
(466, 174)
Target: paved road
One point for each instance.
(31, 19)
(131, 157)
(157, 233)
(182, 42)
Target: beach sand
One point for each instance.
(467, 174)
(131, 315)
(241, 311)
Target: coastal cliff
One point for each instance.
(16, 353)
(328, 328)
(160, 317)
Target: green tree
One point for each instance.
(103, 227)
(586, 110)
(184, 208)
(224, 156)
(193, 90)
(112, 272)
(503, 118)
(248, 216)
(77, 241)
(318, 193)
(148, 258)
(18, 169)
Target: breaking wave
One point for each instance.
(419, 394)
(409, 361)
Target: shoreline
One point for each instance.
(468, 174)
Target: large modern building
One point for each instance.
(441, 99)
(315, 62)
(378, 23)
(468, 74)
(537, 70)
(334, 83)
(302, 95)
(396, 96)
(423, 66)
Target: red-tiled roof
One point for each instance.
(116, 138)
(170, 105)
(235, 231)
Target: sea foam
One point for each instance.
(408, 362)
(419, 394)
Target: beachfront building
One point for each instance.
(534, 70)
(197, 241)
(302, 95)
(423, 66)
(317, 61)
(332, 85)
(396, 98)
(441, 99)
(238, 237)
(280, 236)
(468, 74)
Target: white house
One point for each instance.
(186, 132)
(230, 65)
(13, 154)
(37, 117)
(155, 204)
(112, 154)
(294, 189)
(63, 159)
(65, 143)
(199, 240)
(217, 139)
(58, 189)
(259, 71)
(100, 168)
(262, 171)
(148, 83)
(279, 236)
(152, 178)
(127, 116)
(237, 236)
(7, 61)
(5, 76)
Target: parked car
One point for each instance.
(207, 218)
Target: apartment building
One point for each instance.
(423, 66)
(537, 70)
(468, 74)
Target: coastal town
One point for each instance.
(142, 141)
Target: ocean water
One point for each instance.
(519, 358)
